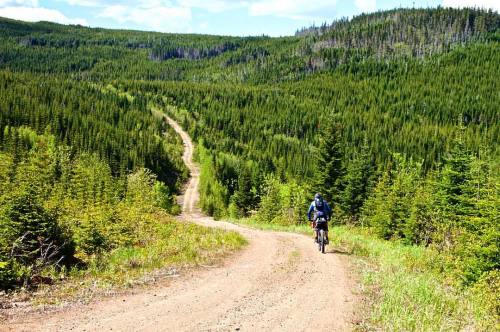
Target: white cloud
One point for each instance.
(35, 14)
(213, 6)
(177, 15)
(84, 3)
(488, 4)
(366, 6)
(18, 3)
(298, 9)
(29, 10)
(150, 15)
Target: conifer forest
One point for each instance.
(393, 116)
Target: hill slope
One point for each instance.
(109, 54)
(393, 115)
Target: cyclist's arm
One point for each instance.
(328, 210)
(309, 212)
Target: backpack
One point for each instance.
(319, 210)
(319, 206)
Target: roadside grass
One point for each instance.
(405, 286)
(173, 244)
(168, 248)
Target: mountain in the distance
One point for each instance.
(385, 35)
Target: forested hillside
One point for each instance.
(394, 116)
(106, 54)
(82, 168)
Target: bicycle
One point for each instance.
(321, 226)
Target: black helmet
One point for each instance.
(318, 196)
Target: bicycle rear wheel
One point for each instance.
(321, 241)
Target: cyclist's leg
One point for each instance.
(315, 231)
(326, 232)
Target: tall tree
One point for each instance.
(456, 200)
(330, 168)
(244, 196)
(357, 182)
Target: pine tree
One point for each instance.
(243, 197)
(374, 212)
(473, 227)
(356, 183)
(456, 175)
(424, 217)
(329, 159)
(32, 232)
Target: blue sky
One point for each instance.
(222, 17)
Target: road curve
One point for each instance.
(279, 282)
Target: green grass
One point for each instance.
(405, 286)
(167, 249)
(406, 291)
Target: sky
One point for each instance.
(220, 17)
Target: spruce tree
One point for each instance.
(356, 183)
(456, 201)
(30, 232)
(243, 197)
(330, 168)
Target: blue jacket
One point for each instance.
(326, 209)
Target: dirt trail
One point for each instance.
(278, 282)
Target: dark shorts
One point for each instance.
(321, 225)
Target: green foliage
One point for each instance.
(409, 287)
(381, 109)
(283, 203)
(57, 208)
(386, 83)
(214, 197)
(455, 179)
(87, 118)
(7, 274)
(476, 240)
(163, 197)
(101, 54)
(397, 33)
(424, 219)
(454, 210)
(390, 206)
(356, 183)
(329, 161)
(244, 196)
(31, 236)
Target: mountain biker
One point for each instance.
(322, 214)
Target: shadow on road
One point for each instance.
(339, 252)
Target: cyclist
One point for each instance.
(322, 213)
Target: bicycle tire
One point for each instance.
(321, 241)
